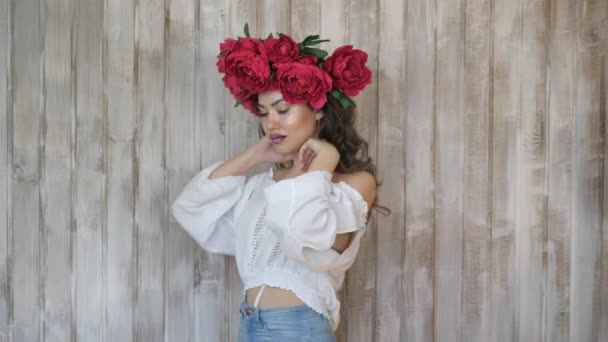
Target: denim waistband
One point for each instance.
(283, 324)
(260, 313)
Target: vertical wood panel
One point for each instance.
(305, 18)
(25, 188)
(603, 333)
(274, 16)
(449, 169)
(57, 172)
(335, 20)
(360, 285)
(89, 200)
(505, 107)
(560, 164)
(531, 175)
(182, 162)
(118, 73)
(476, 235)
(332, 24)
(420, 186)
(388, 318)
(151, 208)
(210, 294)
(5, 169)
(242, 128)
(586, 230)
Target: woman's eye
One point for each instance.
(278, 111)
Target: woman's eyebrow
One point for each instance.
(273, 104)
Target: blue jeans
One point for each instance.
(298, 323)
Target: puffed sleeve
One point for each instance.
(306, 213)
(205, 209)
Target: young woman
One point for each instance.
(295, 229)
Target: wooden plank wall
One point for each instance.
(486, 118)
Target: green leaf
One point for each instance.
(313, 51)
(269, 35)
(238, 103)
(345, 101)
(337, 93)
(309, 39)
(316, 42)
(247, 30)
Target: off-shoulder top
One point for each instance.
(280, 233)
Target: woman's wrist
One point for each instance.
(240, 165)
(251, 158)
(326, 160)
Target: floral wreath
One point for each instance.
(299, 71)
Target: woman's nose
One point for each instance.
(273, 119)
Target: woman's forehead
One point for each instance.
(269, 97)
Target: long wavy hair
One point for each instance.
(337, 126)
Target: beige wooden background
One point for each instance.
(487, 119)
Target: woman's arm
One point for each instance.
(205, 209)
(256, 154)
(365, 184)
(240, 165)
(309, 212)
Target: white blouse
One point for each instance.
(280, 233)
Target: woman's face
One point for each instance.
(289, 126)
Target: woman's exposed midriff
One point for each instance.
(273, 297)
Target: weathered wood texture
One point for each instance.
(5, 168)
(486, 119)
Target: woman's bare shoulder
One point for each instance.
(362, 181)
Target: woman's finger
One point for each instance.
(312, 144)
(309, 160)
(303, 162)
(302, 151)
(306, 161)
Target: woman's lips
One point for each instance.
(276, 138)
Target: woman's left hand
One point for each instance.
(316, 155)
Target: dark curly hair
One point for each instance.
(337, 126)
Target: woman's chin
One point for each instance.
(284, 149)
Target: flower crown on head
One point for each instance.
(299, 71)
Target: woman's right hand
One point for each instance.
(261, 152)
(264, 151)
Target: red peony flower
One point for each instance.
(227, 44)
(307, 59)
(225, 47)
(303, 83)
(232, 83)
(282, 49)
(240, 94)
(347, 68)
(248, 64)
(251, 106)
(273, 84)
(247, 61)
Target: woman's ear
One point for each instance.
(318, 114)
